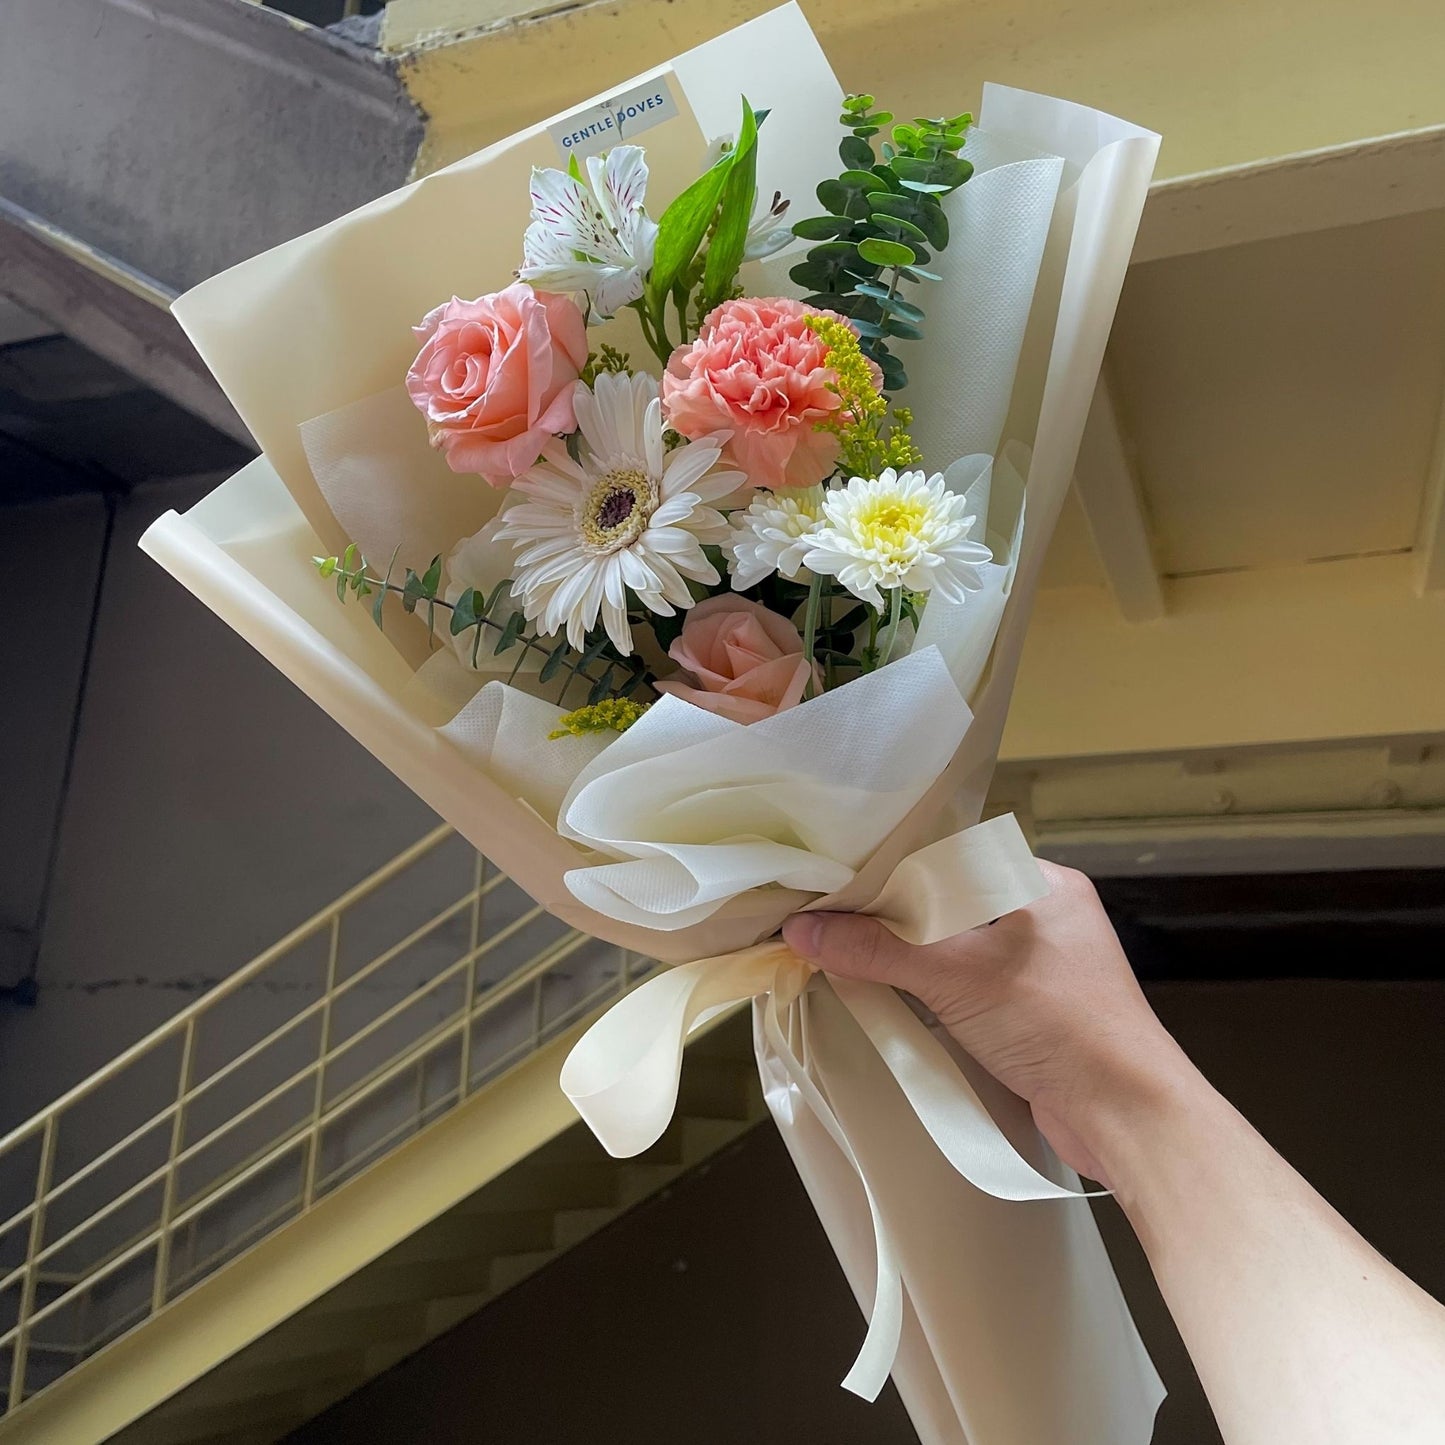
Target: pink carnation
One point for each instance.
(495, 378)
(740, 660)
(758, 373)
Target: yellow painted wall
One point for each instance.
(1225, 81)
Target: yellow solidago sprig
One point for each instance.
(611, 715)
(869, 439)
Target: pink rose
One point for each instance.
(495, 378)
(760, 374)
(739, 660)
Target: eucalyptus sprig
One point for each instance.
(596, 663)
(883, 216)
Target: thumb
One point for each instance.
(854, 946)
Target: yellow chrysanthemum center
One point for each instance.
(618, 509)
(892, 526)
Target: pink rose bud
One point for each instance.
(758, 373)
(739, 660)
(496, 377)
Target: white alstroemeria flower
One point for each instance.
(765, 235)
(598, 241)
(629, 516)
(771, 534)
(897, 531)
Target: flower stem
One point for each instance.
(811, 614)
(895, 617)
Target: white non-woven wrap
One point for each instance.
(867, 1095)
(1009, 1326)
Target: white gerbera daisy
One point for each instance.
(897, 531)
(629, 516)
(772, 534)
(598, 241)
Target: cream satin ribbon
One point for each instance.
(622, 1076)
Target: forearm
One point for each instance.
(1299, 1330)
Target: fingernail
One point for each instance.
(801, 932)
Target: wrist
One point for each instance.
(1135, 1107)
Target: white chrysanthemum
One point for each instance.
(772, 533)
(599, 241)
(897, 531)
(628, 516)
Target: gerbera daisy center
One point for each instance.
(618, 509)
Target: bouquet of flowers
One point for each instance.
(683, 468)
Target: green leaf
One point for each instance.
(917, 273)
(897, 226)
(325, 565)
(904, 330)
(821, 228)
(464, 612)
(855, 152)
(730, 237)
(600, 688)
(341, 585)
(554, 662)
(682, 226)
(349, 557)
(840, 200)
(412, 591)
(947, 171)
(380, 603)
(510, 633)
(886, 253)
(433, 578)
(905, 310)
(894, 376)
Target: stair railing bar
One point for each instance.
(225, 1071)
(172, 1169)
(222, 990)
(26, 1314)
(277, 1091)
(318, 1103)
(469, 1002)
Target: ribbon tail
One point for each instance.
(622, 1075)
(945, 1102)
(874, 1363)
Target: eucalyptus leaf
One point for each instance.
(886, 253)
(510, 633)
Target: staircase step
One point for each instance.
(444, 1314)
(471, 1236)
(332, 1324)
(381, 1357)
(718, 1088)
(638, 1180)
(512, 1269)
(571, 1226)
(420, 1283)
(539, 1185)
(226, 1387)
(267, 1418)
(702, 1138)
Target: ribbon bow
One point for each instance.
(622, 1076)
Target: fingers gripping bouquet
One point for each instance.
(693, 552)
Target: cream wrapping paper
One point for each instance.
(1006, 1321)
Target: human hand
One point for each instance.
(1043, 998)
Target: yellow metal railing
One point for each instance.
(116, 1227)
